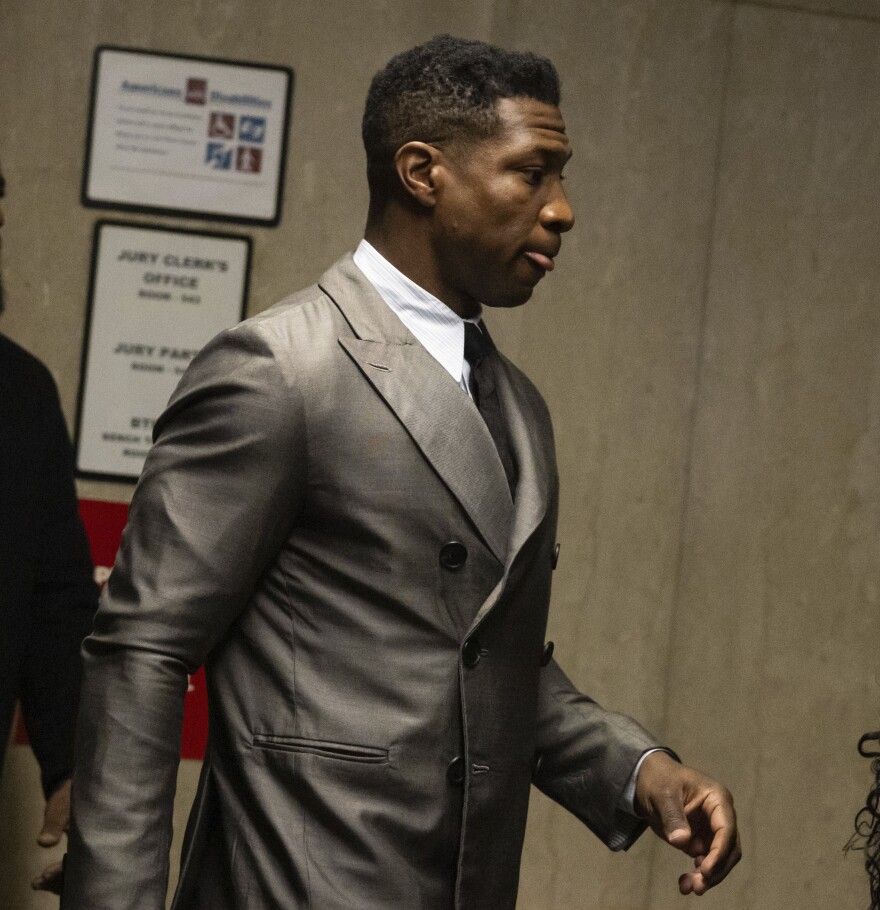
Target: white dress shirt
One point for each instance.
(440, 331)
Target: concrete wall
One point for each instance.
(709, 347)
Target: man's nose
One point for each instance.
(557, 214)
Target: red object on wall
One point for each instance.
(104, 522)
(195, 717)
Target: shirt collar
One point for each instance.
(436, 327)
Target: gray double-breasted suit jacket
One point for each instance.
(324, 522)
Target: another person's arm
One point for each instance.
(59, 616)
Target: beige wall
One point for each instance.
(709, 347)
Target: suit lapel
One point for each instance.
(531, 438)
(442, 421)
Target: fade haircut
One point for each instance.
(445, 90)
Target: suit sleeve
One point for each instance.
(218, 493)
(62, 602)
(586, 756)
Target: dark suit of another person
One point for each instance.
(47, 592)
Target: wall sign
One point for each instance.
(185, 135)
(157, 295)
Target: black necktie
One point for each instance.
(477, 346)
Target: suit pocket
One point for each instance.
(371, 755)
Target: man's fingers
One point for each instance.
(725, 840)
(55, 821)
(717, 864)
(674, 823)
(51, 832)
(56, 817)
(50, 835)
(698, 847)
(702, 879)
(50, 879)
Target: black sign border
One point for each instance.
(87, 201)
(87, 329)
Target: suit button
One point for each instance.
(470, 653)
(548, 653)
(556, 550)
(453, 555)
(455, 771)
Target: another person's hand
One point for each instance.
(693, 813)
(56, 819)
(50, 879)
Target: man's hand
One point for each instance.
(56, 819)
(693, 813)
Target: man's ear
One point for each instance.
(417, 165)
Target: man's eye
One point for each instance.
(534, 175)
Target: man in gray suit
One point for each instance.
(349, 517)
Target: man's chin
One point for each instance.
(509, 301)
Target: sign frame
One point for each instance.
(121, 203)
(92, 305)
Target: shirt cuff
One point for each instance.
(627, 825)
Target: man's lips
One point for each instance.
(541, 260)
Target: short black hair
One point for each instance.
(446, 89)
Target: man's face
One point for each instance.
(501, 210)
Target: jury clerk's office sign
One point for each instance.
(157, 296)
(187, 135)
